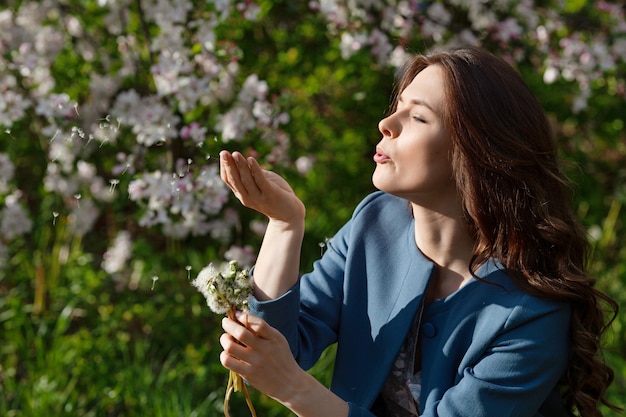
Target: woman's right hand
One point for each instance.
(259, 189)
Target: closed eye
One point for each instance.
(419, 119)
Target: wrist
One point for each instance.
(307, 397)
(293, 225)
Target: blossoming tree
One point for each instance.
(113, 111)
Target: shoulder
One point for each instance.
(378, 224)
(495, 300)
(380, 208)
(379, 199)
(493, 272)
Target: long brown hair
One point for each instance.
(517, 203)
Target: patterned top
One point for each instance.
(401, 391)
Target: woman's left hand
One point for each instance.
(261, 355)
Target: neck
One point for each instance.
(443, 236)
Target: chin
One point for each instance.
(383, 184)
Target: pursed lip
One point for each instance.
(380, 156)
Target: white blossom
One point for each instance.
(83, 217)
(7, 170)
(182, 203)
(116, 256)
(305, 163)
(244, 255)
(13, 107)
(14, 220)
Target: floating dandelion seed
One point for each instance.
(76, 109)
(323, 245)
(77, 197)
(54, 218)
(154, 279)
(215, 138)
(55, 135)
(125, 168)
(113, 183)
(189, 161)
(188, 268)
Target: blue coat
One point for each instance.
(488, 349)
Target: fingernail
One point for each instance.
(238, 314)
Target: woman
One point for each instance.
(458, 289)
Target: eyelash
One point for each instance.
(419, 119)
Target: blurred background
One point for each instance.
(112, 115)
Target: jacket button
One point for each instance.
(428, 330)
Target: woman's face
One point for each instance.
(413, 156)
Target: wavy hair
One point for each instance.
(517, 203)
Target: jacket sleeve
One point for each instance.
(518, 369)
(308, 315)
(357, 411)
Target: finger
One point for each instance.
(245, 331)
(235, 173)
(256, 325)
(238, 332)
(245, 176)
(232, 346)
(228, 171)
(257, 174)
(233, 362)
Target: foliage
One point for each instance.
(112, 114)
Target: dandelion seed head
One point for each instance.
(226, 288)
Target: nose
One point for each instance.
(389, 127)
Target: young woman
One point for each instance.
(458, 289)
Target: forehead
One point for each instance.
(426, 87)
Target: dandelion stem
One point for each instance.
(236, 382)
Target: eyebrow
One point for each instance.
(418, 102)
